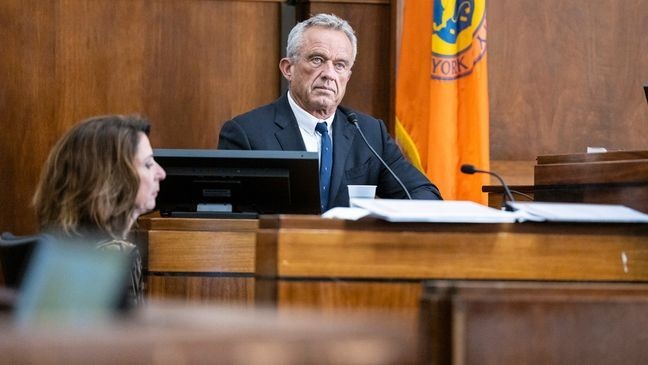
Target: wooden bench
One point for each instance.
(508, 322)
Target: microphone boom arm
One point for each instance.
(351, 117)
(470, 169)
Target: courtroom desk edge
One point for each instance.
(368, 249)
(153, 221)
(596, 172)
(374, 224)
(522, 288)
(593, 157)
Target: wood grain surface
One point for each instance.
(374, 266)
(200, 334)
(496, 322)
(562, 75)
(554, 252)
(186, 65)
(203, 260)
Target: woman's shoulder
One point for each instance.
(115, 245)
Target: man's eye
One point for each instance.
(317, 60)
(340, 66)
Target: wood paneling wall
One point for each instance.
(371, 87)
(563, 74)
(187, 65)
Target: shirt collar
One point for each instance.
(305, 120)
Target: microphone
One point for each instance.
(353, 119)
(470, 169)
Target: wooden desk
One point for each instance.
(199, 259)
(495, 322)
(613, 177)
(619, 177)
(212, 335)
(496, 194)
(305, 261)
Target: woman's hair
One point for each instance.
(89, 181)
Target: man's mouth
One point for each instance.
(326, 89)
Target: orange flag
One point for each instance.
(442, 93)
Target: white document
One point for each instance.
(578, 212)
(350, 214)
(458, 211)
(440, 211)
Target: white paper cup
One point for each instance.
(362, 191)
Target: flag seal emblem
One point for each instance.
(458, 37)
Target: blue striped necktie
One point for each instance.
(326, 164)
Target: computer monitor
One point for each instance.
(237, 183)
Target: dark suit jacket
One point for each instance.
(274, 127)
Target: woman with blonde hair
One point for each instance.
(99, 177)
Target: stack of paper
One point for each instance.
(577, 212)
(456, 211)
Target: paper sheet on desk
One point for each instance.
(457, 211)
(577, 212)
(350, 214)
(440, 211)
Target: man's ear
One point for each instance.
(285, 65)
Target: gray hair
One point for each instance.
(327, 21)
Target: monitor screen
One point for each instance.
(237, 183)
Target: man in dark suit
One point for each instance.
(320, 54)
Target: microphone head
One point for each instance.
(468, 169)
(352, 118)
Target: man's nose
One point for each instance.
(328, 71)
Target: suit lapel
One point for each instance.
(287, 133)
(343, 134)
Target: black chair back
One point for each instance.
(15, 253)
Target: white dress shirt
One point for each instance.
(307, 122)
